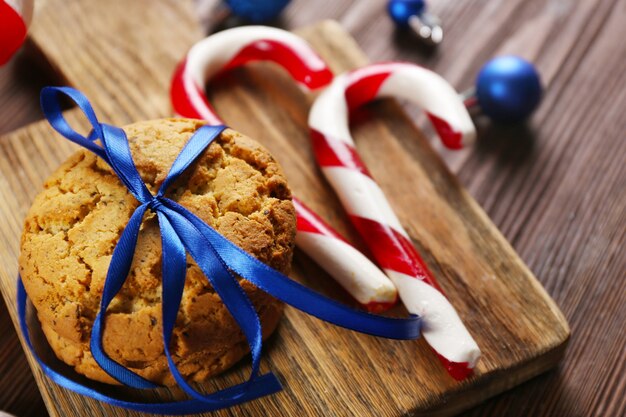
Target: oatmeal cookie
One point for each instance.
(75, 222)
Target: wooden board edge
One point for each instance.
(497, 383)
(534, 281)
(514, 376)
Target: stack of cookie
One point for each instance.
(75, 222)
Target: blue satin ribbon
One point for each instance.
(182, 232)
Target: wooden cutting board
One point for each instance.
(121, 55)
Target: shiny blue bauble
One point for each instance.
(508, 89)
(257, 11)
(401, 10)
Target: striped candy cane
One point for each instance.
(368, 207)
(235, 47)
(15, 16)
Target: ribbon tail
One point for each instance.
(51, 107)
(234, 298)
(297, 295)
(116, 276)
(264, 384)
(117, 149)
(174, 272)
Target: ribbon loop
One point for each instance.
(51, 106)
(117, 149)
(219, 259)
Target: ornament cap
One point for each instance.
(401, 11)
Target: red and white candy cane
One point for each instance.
(15, 16)
(367, 205)
(235, 47)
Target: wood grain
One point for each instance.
(554, 189)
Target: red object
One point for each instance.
(274, 51)
(180, 98)
(363, 88)
(261, 50)
(450, 138)
(189, 100)
(336, 154)
(12, 32)
(368, 209)
(309, 222)
(393, 250)
(457, 370)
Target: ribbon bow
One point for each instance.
(182, 232)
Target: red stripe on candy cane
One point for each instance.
(451, 138)
(274, 51)
(392, 250)
(180, 96)
(457, 370)
(364, 89)
(309, 221)
(335, 153)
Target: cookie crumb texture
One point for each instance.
(75, 222)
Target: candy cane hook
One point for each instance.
(235, 47)
(367, 205)
(15, 16)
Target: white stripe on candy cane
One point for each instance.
(331, 119)
(349, 267)
(442, 328)
(361, 196)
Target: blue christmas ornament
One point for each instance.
(257, 11)
(508, 89)
(401, 11)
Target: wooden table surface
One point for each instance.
(555, 186)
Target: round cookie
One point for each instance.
(75, 222)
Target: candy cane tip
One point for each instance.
(454, 137)
(457, 370)
(468, 134)
(380, 306)
(469, 137)
(376, 308)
